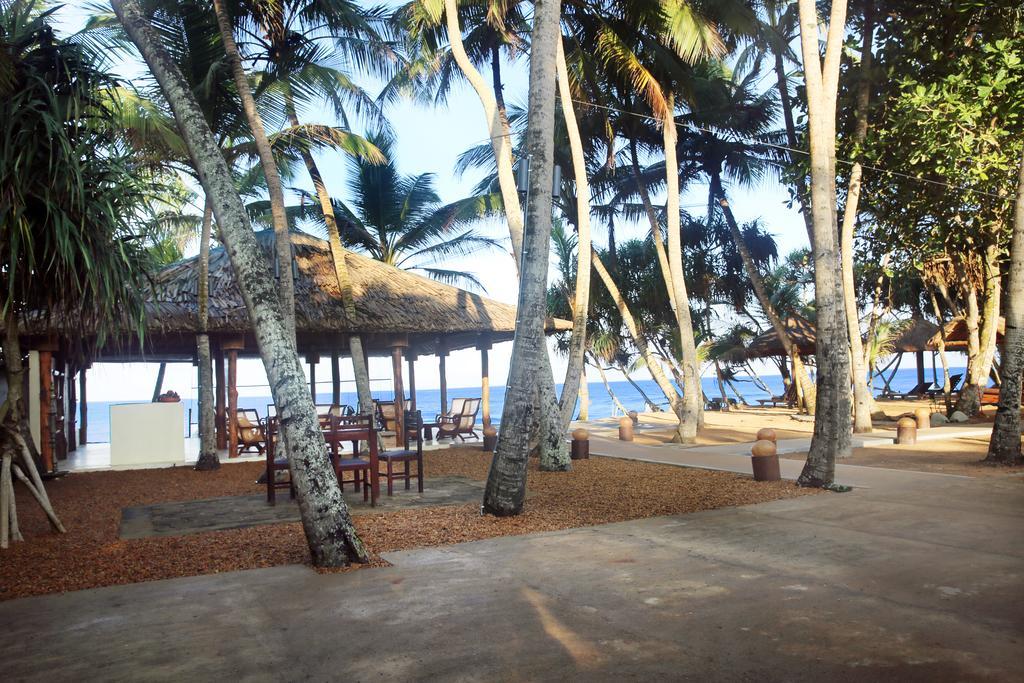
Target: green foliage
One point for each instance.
(74, 199)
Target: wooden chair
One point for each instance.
(461, 424)
(275, 464)
(354, 428)
(407, 454)
(252, 432)
(954, 386)
(387, 416)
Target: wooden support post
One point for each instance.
(312, 359)
(411, 356)
(919, 356)
(83, 428)
(233, 346)
(335, 378)
(442, 355)
(45, 396)
(71, 431)
(484, 345)
(221, 398)
(396, 371)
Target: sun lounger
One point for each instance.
(919, 391)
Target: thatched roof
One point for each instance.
(767, 344)
(956, 334)
(915, 336)
(390, 305)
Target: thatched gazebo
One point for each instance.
(767, 344)
(397, 313)
(956, 333)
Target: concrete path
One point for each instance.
(916, 582)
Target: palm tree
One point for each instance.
(832, 427)
(72, 194)
(400, 220)
(325, 517)
(1004, 447)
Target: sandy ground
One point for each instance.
(955, 456)
(92, 554)
(740, 425)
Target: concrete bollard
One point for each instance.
(764, 460)
(923, 417)
(635, 417)
(580, 444)
(766, 434)
(625, 429)
(490, 438)
(906, 431)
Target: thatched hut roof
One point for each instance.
(956, 334)
(767, 344)
(391, 306)
(915, 336)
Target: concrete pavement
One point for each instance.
(917, 581)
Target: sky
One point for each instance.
(429, 140)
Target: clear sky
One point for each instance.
(429, 139)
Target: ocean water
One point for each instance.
(429, 400)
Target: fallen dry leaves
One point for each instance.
(91, 554)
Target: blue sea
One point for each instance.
(429, 400)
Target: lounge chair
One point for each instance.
(459, 424)
(788, 398)
(409, 452)
(919, 391)
(954, 386)
(252, 433)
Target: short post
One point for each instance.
(490, 438)
(580, 444)
(906, 431)
(625, 429)
(764, 459)
(767, 434)
(923, 416)
(635, 417)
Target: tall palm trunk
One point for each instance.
(982, 325)
(584, 413)
(581, 299)
(1004, 446)
(832, 427)
(325, 517)
(283, 243)
(652, 219)
(608, 387)
(208, 458)
(861, 391)
(786, 102)
(338, 258)
(799, 369)
(506, 482)
(688, 410)
(548, 430)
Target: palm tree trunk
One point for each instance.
(501, 142)
(689, 407)
(969, 400)
(799, 369)
(581, 299)
(832, 428)
(1004, 447)
(651, 405)
(506, 483)
(653, 366)
(338, 258)
(584, 413)
(861, 391)
(283, 243)
(652, 219)
(608, 388)
(208, 458)
(325, 517)
(787, 114)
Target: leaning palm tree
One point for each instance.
(400, 219)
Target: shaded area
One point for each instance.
(238, 512)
